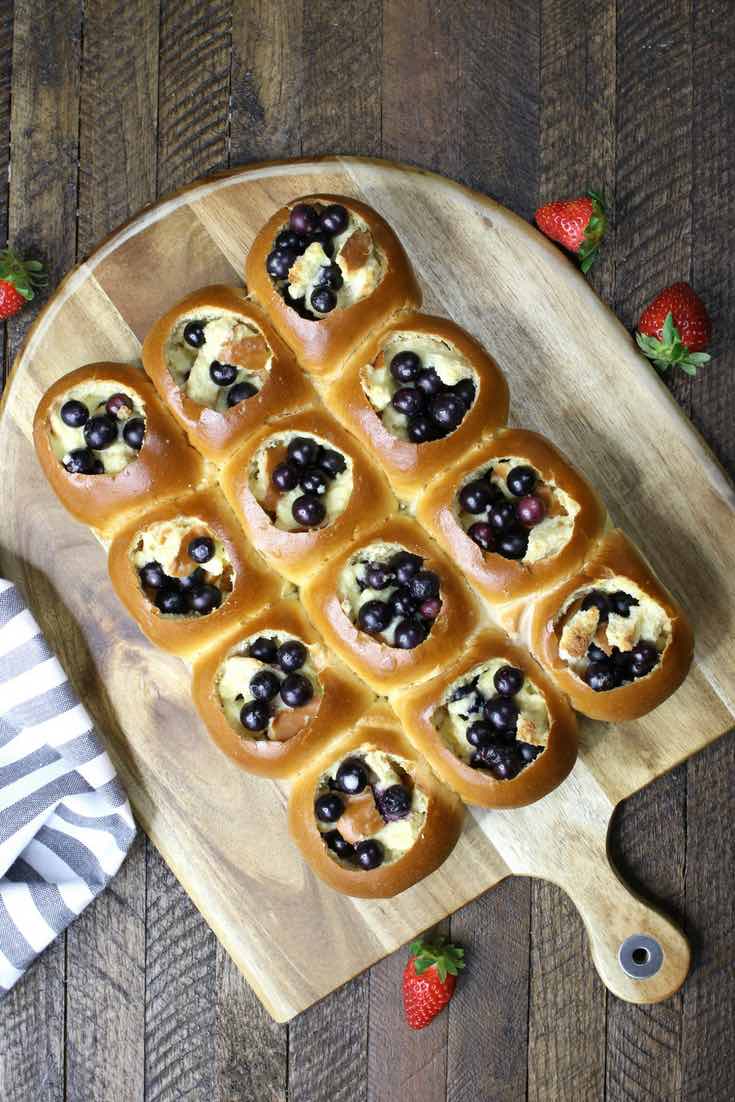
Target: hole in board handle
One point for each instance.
(640, 956)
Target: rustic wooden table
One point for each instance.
(106, 105)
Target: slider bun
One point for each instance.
(442, 827)
(614, 555)
(299, 554)
(321, 346)
(165, 465)
(478, 786)
(217, 433)
(343, 701)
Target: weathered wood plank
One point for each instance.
(328, 1047)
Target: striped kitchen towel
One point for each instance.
(65, 822)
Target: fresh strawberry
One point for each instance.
(18, 278)
(675, 329)
(429, 979)
(577, 224)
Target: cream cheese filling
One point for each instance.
(645, 621)
(335, 499)
(357, 283)
(64, 439)
(165, 542)
(189, 367)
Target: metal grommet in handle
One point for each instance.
(640, 956)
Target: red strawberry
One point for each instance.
(429, 979)
(675, 329)
(577, 224)
(17, 281)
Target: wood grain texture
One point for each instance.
(328, 1047)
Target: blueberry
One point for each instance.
(394, 802)
(369, 854)
(191, 581)
(429, 382)
(291, 655)
(502, 713)
(596, 654)
(314, 481)
(296, 690)
(421, 429)
(323, 300)
(482, 534)
(255, 715)
(401, 602)
(475, 496)
(330, 275)
(303, 219)
(321, 237)
(447, 410)
(171, 601)
(378, 575)
(201, 549)
(424, 584)
(621, 602)
(643, 657)
(600, 676)
(82, 461)
(74, 414)
(508, 680)
(240, 392)
(194, 333)
(480, 734)
(405, 367)
(152, 575)
(338, 845)
(222, 374)
(333, 462)
(334, 219)
(351, 777)
(531, 510)
(502, 514)
(303, 451)
(521, 481)
(410, 634)
(596, 599)
(308, 511)
(264, 685)
(328, 807)
(285, 477)
(430, 608)
(100, 431)
(374, 616)
(512, 544)
(465, 390)
(408, 400)
(527, 752)
(404, 565)
(278, 263)
(205, 599)
(264, 650)
(290, 241)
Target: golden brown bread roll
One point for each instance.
(573, 516)
(413, 835)
(334, 596)
(164, 465)
(164, 536)
(356, 497)
(374, 280)
(362, 396)
(247, 352)
(294, 734)
(508, 771)
(649, 646)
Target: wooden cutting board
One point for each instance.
(574, 374)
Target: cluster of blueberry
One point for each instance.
(432, 408)
(183, 596)
(222, 375)
(393, 803)
(508, 519)
(493, 738)
(281, 678)
(310, 467)
(307, 225)
(609, 671)
(101, 431)
(410, 592)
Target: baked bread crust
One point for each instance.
(614, 555)
(213, 432)
(254, 585)
(165, 465)
(411, 467)
(299, 554)
(344, 698)
(498, 579)
(441, 830)
(383, 667)
(477, 786)
(322, 346)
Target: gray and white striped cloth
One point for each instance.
(65, 822)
